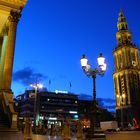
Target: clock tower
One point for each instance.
(126, 76)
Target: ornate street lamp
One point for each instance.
(95, 131)
(36, 87)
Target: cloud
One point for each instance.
(107, 100)
(84, 97)
(110, 107)
(107, 103)
(103, 100)
(27, 76)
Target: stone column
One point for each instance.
(9, 56)
(3, 51)
(1, 41)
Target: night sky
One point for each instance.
(52, 35)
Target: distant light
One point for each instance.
(61, 91)
(41, 117)
(16, 104)
(40, 86)
(73, 112)
(36, 86)
(51, 118)
(75, 116)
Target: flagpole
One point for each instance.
(49, 84)
(70, 86)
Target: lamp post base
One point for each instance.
(95, 134)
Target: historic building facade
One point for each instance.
(10, 13)
(126, 75)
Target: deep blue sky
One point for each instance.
(53, 34)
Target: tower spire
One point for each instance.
(123, 36)
(122, 23)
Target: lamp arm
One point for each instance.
(91, 72)
(97, 71)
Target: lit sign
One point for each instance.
(59, 91)
(52, 118)
(73, 112)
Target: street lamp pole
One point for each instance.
(36, 87)
(94, 86)
(92, 117)
(100, 70)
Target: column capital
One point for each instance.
(14, 16)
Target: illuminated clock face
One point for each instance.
(134, 63)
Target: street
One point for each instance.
(126, 135)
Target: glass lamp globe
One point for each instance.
(84, 61)
(103, 67)
(101, 60)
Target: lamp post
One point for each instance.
(36, 87)
(100, 70)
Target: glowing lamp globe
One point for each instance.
(84, 61)
(101, 60)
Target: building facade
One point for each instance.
(126, 75)
(51, 107)
(56, 107)
(10, 13)
(24, 104)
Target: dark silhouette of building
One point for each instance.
(84, 109)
